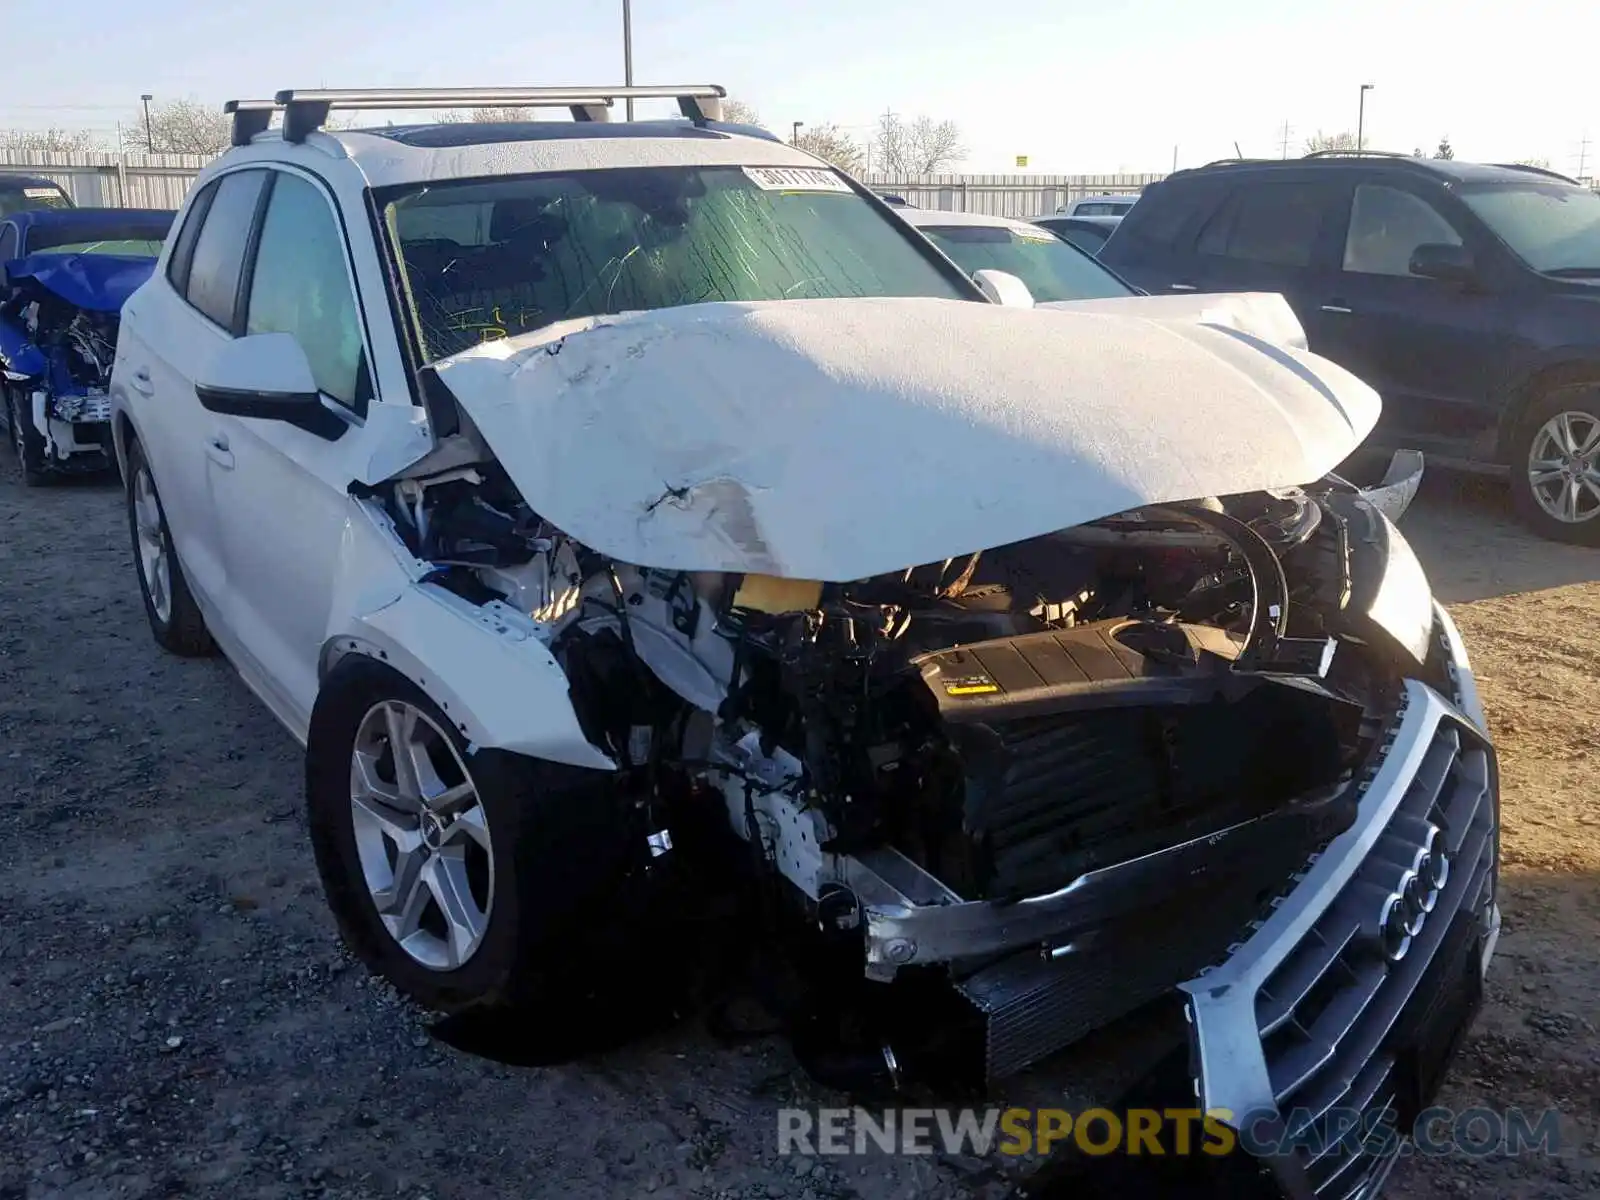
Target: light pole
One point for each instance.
(1361, 116)
(627, 50)
(794, 133)
(149, 138)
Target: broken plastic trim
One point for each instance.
(1268, 650)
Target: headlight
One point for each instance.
(1402, 605)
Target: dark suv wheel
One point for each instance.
(1555, 465)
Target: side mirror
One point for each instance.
(1445, 262)
(268, 377)
(1002, 287)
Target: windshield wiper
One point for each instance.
(1574, 272)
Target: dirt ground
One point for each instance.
(177, 1017)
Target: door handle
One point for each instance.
(142, 383)
(1336, 308)
(1183, 287)
(217, 451)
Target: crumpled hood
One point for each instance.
(838, 439)
(97, 282)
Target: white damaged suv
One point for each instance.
(572, 489)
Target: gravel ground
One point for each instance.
(178, 1018)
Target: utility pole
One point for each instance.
(1361, 116)
(888, 151)
(1174, 160)
(1583, 156)
(794, 132)
(149, 137)
(627, 50)
(1286, 131)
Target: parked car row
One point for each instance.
(561, 488)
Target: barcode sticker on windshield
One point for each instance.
(38, 193)
(795, 179)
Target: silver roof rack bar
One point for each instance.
(305, 110)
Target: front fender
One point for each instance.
(492, 677)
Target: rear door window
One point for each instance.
(219, 251)
(1271, 223)
(183, 247)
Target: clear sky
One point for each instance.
(1077, 85)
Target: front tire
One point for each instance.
(26, 444)
(175, 619)
(466, 879)
(1555, 465)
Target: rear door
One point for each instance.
(1274, 235)
(1432, 349)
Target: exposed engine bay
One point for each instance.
(1055, 778)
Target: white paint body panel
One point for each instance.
(1265, 315)
(838, 439)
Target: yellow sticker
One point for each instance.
(971, 687)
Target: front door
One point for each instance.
(279, 492)
(1431, 348)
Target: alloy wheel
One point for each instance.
(422, 836)
(153, 564)
(1564, 467)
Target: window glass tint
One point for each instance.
(489, 260)
(8, 244)
(301, 286)
(1552, 226)
(183, 248)
(219, 250)
(1272, 223)
(1386, 227)
(126, 247)
(15, 199)
(1052, 269)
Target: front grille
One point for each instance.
(1313, 1019)
(1326, 1013)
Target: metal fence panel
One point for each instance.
(1003, 195)
(112, 180)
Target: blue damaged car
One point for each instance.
(64, 274)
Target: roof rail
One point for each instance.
(1220, 162)
(306, 110)
(1531, 169)
(1337, 153)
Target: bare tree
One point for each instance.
(48, 141)
(179, 127)
(833, 144)
(919, 147)
(1344, 140)
(492, 115)
(1445, 150)
(740, 113)
(1542, 163)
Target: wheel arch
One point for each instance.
(1537, 384)
(500, 688)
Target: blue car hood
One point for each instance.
(97, 282)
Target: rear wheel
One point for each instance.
(174, 617)
(1555, 465)
(26, 444)
(468, 880)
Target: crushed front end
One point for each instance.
(58, 337)
(1195, 748)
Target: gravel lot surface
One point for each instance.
(178, 1018)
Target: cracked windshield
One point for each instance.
(484, 261)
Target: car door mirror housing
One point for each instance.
(1445, 262)
(1002, 287)
(267, 377)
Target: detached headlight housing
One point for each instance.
(1390, 601)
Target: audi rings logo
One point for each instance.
(1406, 908)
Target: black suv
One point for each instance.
(1468, 295)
